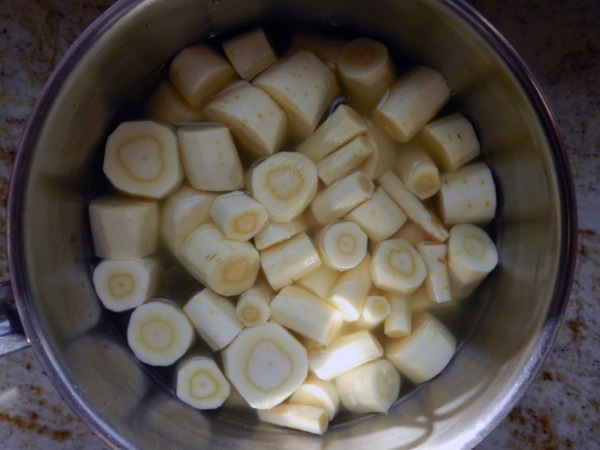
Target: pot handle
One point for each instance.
(12, 336)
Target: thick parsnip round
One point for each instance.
(250, 53)
(345, 159)
(276, 232)
(350, 290)
(201, 384)
(319, 393)
(417, 170)
(397, 267)
(266, 364)
(342, 245)
(159, 333)
(169, 106)
(238, 215)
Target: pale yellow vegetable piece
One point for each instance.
(412, 206)
(412, 101)
(396, 267)
(276, 232)
(250, 53)
(213, 317)
(319, 393)
(285, 183)
(238, 215)
(300, 311)
(311, 419)
(384, 151)
(325, 47)
(350, 291)
(252, 307)
(342, 245)
(266, 364)
(257, 123)
(159, 333)
(344, 160)
(201, 384)
(370, 388)
(199, 72)
(344, 354)
(124, 228)
(289, 260)
(168, 105)
(227, 266)
(411, 232)
(125, 284)
(183, 212)
(398, 323)
(379, 217)
(341, 197)
(366, 71)
(142, 159)
(210, 158)
(343, 125)
(417, 170)
(472, 255)
(437, 282)
(320, 281)
(374, 312)
(426, 352)
(303, 86)
(468, 195)
(451, 141)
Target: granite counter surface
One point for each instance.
(560, 41)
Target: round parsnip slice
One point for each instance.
(319, 393)
(285, 184)
(397, 267)
(238, 215)
(201, 384)
(266, 364)
(252, 307)
(472, 255)
(342, 245)
(142, 159)
(417, 171)
(125, 284)
(375, 310)
(159, 333)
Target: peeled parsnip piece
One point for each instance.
(311, 419)
(201, 384)
(183, 212)
(412, 206)
(379, 217)
(412, 101)
(343, 125)
(300, 311)
(417, 171)
(124, 284)
(398, 323)
(372, 387)
(319, 393)
(257, 123)
(341, 197)
(213, 317)
(199, 72)
(289, 260)
(468, 195)
(124, 228)
(325, 47)
(350, 291)
(142, 159)
(303, 86)
(276, 232)
(266, 364)
(320, 281)
(437, 281)
(411, 232)
(426, 352)
(366, 71)
(344, 160)
(210, 158)
(344, 354)
(238, 215)
(285, 183)
(384, 151)
(342, 245)
(472, 255)
(451, 141)
(249, 53)
(159, 333)
(252, 307)
(396, 267)
(226, 266)
(374, 312)
(168, 105)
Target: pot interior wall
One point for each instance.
(83, 351)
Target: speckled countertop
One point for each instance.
(560, 41)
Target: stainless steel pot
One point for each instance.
(49, 245)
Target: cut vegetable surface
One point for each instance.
(201, 384)
(238, 215)
(319, 393)
(250, 53)
(301, 417)
(397, 267)
(342, 245)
